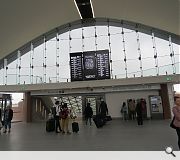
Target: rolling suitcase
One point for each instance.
(50, 125)
(75, 127)
(99, 122)
(108, 118)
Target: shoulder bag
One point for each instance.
(172, 124)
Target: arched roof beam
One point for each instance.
(91, 22)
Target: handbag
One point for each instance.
(172, 124)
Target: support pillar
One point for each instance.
(27, 107)
(165, 101)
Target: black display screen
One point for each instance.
(76, 66)
(90, 69)
(91, 65)
(103, 68)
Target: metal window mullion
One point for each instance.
(124, 51)
(19, 67)
(82, 39)
(95, 35)
(5, 70)
(44, 60)
(31, 63)
(139, 52)
(172, 55)
(155, 54)
(109, 38)
(70, 47)
(57, 56)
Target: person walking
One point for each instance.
(132, 108)
(88, 113)
(8, 115)
(65, 116)
(176, 112)
(139, 112)
(0, 115)
(1, 120)
(103, 110)
(124, 111)
(56, 112)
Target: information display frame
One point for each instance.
(90, 65)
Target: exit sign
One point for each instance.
(168, 78)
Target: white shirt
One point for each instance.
(58, 110)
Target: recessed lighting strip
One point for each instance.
(77, 9)
(92, 9)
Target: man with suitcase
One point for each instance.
(56, 113)
(88, 113)
(103, 110)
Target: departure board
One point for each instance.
(91, 65)
(103, 68)
(76, 66)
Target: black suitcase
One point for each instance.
(75, 127)
(50, 125)
(99, 122)
(108, 118)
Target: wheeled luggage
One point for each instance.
(108, 118)
(99, 121)
(75, 127)
(50, 125)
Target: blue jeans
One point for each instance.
(88, 118)
(7, 124)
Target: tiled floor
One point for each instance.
(116, 135)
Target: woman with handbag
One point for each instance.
(176, 112)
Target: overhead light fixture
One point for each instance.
(92, 9)
(85, 8)
(77, 9)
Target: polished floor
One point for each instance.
(116, 135)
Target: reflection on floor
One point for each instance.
(116, 135)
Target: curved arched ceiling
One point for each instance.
(23, 20)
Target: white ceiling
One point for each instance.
(23, 20)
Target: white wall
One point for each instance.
(115, 100)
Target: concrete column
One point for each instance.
(171, 96)
(83, 105)
(27, 107)
(165, 101)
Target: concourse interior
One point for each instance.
(116, 135)
(85, 51)
(29, 132)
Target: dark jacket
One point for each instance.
(88, 112)
(8, 114)
(139, 109)
(0, 115)
(103, 110)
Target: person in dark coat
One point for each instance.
(56, 112)
(103, 110)
(8, 115)
(0, 115)
(88, 113)
(139, 112)
(0, 119)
